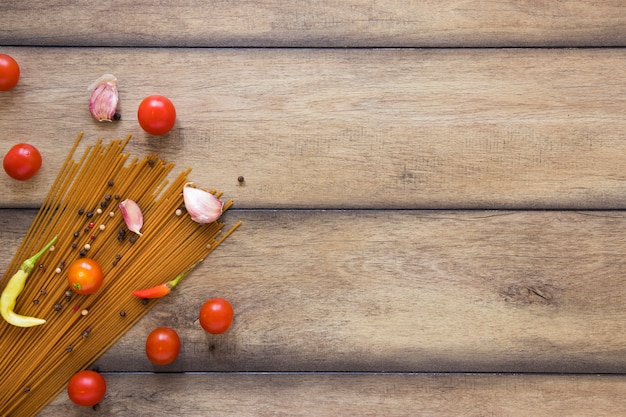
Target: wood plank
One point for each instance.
(347, 128)
(329, 23)
(398, 291)
(391, 395)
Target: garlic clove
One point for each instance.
(132, 215)
(104, 98)
(202, 206)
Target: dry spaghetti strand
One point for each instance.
(81, 208)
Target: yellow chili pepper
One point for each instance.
(14, 288)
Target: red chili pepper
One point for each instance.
(163, 289)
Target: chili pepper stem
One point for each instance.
(171, 284)
(28, 265)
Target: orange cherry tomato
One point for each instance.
(216, 315)
(162, 346)
(85, 276)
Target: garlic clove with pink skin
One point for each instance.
(104, 98)
(202, 206)
(132, 215)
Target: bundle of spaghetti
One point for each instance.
(81, 208)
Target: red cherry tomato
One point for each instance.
(9, 72)
(86, 388)
(156, 115)
(85, 276)
(22, 161)
(162, 346)
(216, 315)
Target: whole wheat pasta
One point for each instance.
(81, 208)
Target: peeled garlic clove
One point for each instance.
(104, 98)
(132, 215)
(202, 206)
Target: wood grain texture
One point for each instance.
(383, 291)
(484, 129)
(355, 395)
(328, 23)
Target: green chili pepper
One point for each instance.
(14, 288)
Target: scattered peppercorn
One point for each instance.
(117, 196)
(240, 179)
(89, 214)
(74, 245)
(110, 183)
(76, 234)
(122, 313)
(35, 301)
(132, 239)
(103, 204)
(81, 212)
(82, 252)
(27, 389)
(69, 348)
(117, 116)
(107, 197)
(57, 307)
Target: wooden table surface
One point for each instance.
(433, 205)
